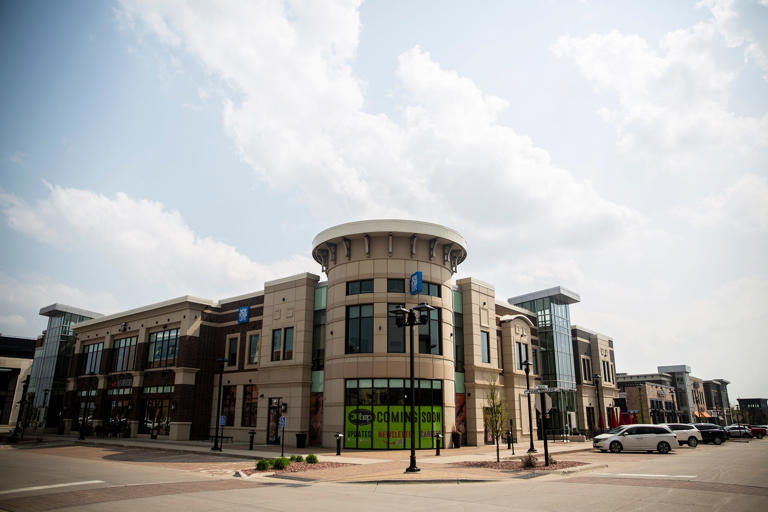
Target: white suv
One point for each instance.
(637, 437)
(686, 434)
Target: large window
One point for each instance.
(458, 331)
(253, 349)
(535, 360)
(318, 340)
(232, 351)
(287, 343)
(430, 340)
(359, 329)
(162, 348)
(396, 285)
(485, 347)
(586, 370)
(124, 354)
(522, 354)
(228, 405)
(395, 334)
(358, 287)
(377, 413)
(431, 289)
(250, 405)
(92, 358)
(277, 342)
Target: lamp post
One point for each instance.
(85, 409)
(216, 443)
(596, 379)
(527, 364)
(410, 318)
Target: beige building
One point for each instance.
(596, 382)
(328, 356)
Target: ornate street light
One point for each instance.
(415, 316)
(87, 406)
(527, 364)
(600, 421)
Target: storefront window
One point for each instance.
(250, 405)
(228, 405)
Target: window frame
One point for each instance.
(236, 339)
(277, 344)
(392, 327)
(356, 287)
(348, 328)
(248, 359)
(485, 347)
(429, 326)
(163, 362)
(393, 281)
(288, 351)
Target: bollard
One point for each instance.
(438, 437)
(509, 440)
(339, 436)
(250, 443)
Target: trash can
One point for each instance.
(301, 440)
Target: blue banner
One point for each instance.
(416, 283)
(244, 315)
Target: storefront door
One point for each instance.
(273, 421)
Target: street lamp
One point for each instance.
(410, 318)
(527, 364)
(596, 379)
(87, 404)
(216, 443)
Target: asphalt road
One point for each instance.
(732, 477)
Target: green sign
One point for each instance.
(389, 427)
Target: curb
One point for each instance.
(425, 481)
(580, 469)
(168, 449)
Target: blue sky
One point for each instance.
(151, 150)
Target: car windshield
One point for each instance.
(617, 430)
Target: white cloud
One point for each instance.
(143, 239)
(742, 206)
(296, 115)
(672, 101)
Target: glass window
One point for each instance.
(124, 355)
(277, 341)
(288, 345)
(92, 358)
(396, 285)
(395, 334)
(535, 356)
(485, 347)
(232, 352)
(358, 287)
(318, 340)
(228, 405)
(458, 340)
(359, 332)
(430, 339)
(253, 349)
(250, 405)
(162, 348)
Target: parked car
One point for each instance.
(686, 433)
(759, 431)
(711, 433)
(739, 431)
(637, 437)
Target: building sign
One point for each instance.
(389, 427)
(416, 284)
(243, 315)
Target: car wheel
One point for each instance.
(615, 447)
(759, 435)
(693, 442)
(663, 447)
(717, 440)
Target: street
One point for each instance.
(730, 477)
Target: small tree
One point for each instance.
(495, 414)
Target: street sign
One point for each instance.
(547, 402)
(282, 421)
(223, 421)
(537, 390)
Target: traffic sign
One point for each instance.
(547, 403)
(282, 421)
(537, 390)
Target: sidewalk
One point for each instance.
(363, 466)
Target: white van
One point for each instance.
(637, 437)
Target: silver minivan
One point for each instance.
(638, 437)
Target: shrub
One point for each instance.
(299, 458)
(281, 463)
(311, 458)
(552, 460)
(293, 458)
(263, 465)
(529, 461)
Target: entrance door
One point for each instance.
(273, 421)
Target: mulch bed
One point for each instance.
(296, 467)
(516, 465)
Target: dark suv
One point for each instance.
(711, 433)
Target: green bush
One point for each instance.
(293, 458)
(281, 463)
(299, 458)
(311, 458)
(529, 461)
(263, 464)
(552, 460)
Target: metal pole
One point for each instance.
(216, 444)
(544, 427)
(412, 468)
(599, 406)
(530, 415)
(282, 443)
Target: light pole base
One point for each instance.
(412, 469)
(532, 450)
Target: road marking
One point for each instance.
(41, 487)
(643, 475)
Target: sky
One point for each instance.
(150, 150)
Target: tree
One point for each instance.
(495, 414)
